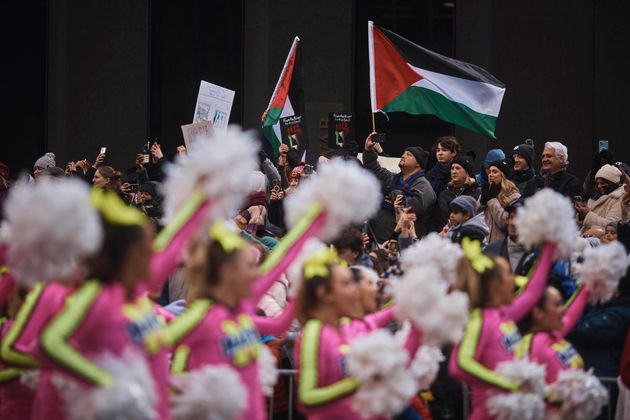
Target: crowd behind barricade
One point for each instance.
(211, 299)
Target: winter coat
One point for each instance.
(603, 210)
(561, 182)
(521, 178)
(442, 210)
(496, 217)
(599, 336)
(439, 177)
(420, 191)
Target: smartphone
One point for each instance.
(103, 150)
(275, 186)
(379, 138)
(408, 202)
(578, 198)
(602, 145)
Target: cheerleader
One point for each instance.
(328, 293)
(491, 335)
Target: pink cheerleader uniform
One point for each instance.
(15, 399)
(491, 337)
(351, 328)
(324, 387)
(550, 348)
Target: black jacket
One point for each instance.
(442, 210)
(562, 182)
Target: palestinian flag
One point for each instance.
(404, 77)
(288, 97)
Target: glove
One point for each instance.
(488, 194)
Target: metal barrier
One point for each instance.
(609, 383)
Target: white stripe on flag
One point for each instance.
(478, 96)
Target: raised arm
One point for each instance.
(574, 308)
(309, 393)
(278, 325)
(380, 319)
(524, 302)
(172, 240)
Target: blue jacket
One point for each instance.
(600, 334)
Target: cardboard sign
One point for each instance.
(292, 129)
(389, 163)
(192, 132)
(341, 131)
(214, 104)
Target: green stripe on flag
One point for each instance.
(273, 115)
(418, 101)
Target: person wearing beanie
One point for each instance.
(496, 196)
(523, 157)
(491, 156)
(410, 183)
(553, 173)
(605, 205)
(462, 183)
(464, 217)
(44, 162)
(446, 148)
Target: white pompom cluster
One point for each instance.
(346, 192)
(516, 406)
(434, 250)
(581, 393)
(295, 272)
(426, 364)
(131, 396)
(219, 167)
(547, 216)
(422, 297)
(267, 370)
(379, 363)
(214, 392)
(520, 405)
(51, 228)
(602, 268)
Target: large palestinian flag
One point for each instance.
(288, 96)
(407, 78)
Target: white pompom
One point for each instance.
(547, 217)
(295, 272)
(346, 192)
(528, 374)
(602, 268)
(379, 363)
(30, 378)
(51, 228)
(219, 166)
(267, 370)
(214, 392)
(435, 250)
(426, 364)
(131, 396)
(516, 406)
(582, 395)
(422, 297)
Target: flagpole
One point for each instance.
(373, 124)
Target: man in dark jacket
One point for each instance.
(410, 183)
(523, 157)
(554, 175)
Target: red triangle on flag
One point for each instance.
(392, 73)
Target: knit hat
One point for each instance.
(492, 155)
(526, 150)
(149, 188)
(504, 166)
(465, 162)
(46, 161)
(465, 203)
(420, 154)
(609, 173)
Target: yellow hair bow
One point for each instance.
(228, 239)
(472, 251)
(114, 210)
(317, 264)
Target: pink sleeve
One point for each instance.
(524, 302)
(171, 243)
(284, 254)
(413, 343)
(574, 309)
(278, 325)
(380, 319)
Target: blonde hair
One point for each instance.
(508, 188)
(475, 285)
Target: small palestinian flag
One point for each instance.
(288, 97)
(404, 77)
